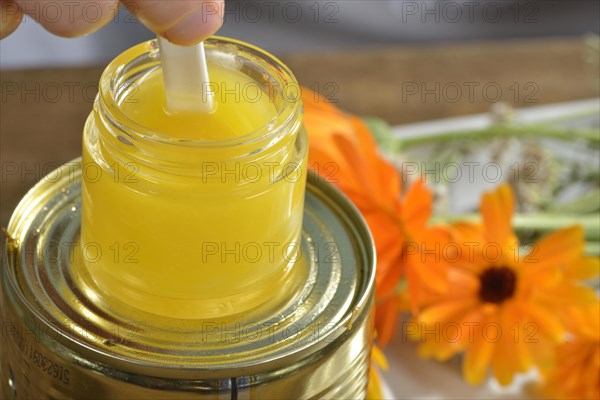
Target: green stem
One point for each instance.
(589, 135)
(592, 248)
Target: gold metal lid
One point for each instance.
(51, 294)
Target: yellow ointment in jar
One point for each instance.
(195, 215)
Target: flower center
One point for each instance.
(497, 284)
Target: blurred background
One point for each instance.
(286, 26)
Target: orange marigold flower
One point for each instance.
(503, 306)
(426, 269)
(343, 151)
(577, 375)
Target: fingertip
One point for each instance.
(10, 18)
(195, 27)
(70, 32)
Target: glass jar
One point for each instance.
(186, 227)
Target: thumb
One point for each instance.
(183, 22)
(10, 17)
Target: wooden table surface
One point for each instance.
(42, 112)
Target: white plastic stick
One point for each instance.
(185, 77)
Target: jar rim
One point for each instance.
(288, 114)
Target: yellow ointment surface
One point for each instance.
(239, 110)
(214, 237)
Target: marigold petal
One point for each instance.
(426, 350)
(414, 290)
(417, 206)
(582, 269)
(467, 232)
(546, 322)
(431, 275)
(444, 353)
(315, 101)
(386, 177)
(356, 159)
(477, 360)
(463, 282)
(453, 337)
(423, 256)
(503, 362)
(387, 284)
(432, 242)
(466, 243)
(559, 249)
(378, 177)
(584, 322)
(389, 262)
(444, 312)
(510, 353)
(385, 321)
(571, 379)
(519, 332)
(433, 343)
(325, 159)
(462, 285)
(566, 294)
(374, 391)
(539, 276)
(497, 208)
(379, 358)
